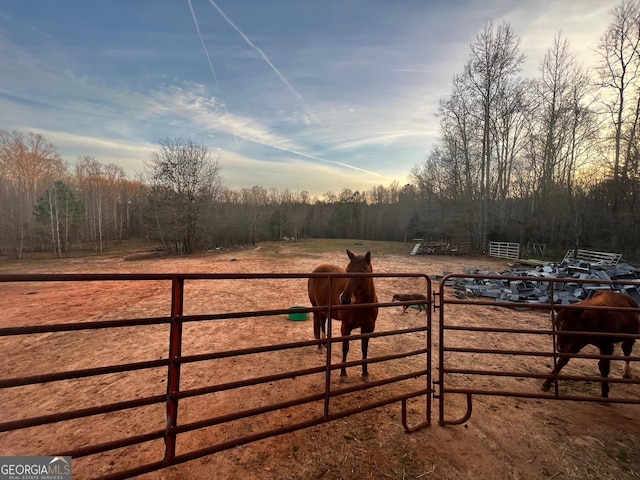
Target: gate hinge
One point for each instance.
(436, 300)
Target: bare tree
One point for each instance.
(619, 51)
(482, 125)
(495, 59)
(91, 183)
(183, 178)
(255, 201)
(556, 139)
(619, 67)
(114, 180)
(61, 215)
(29, 165)
(461, 132)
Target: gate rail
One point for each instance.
(456, 339)
(171, 398)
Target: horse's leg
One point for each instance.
(365, 349)
(324, 328)
(574, 347)
(627, 346)
(345, 330)
(319, 322)
(604, 364)
(562, 361)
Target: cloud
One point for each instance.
(172, 110)
(373, 90)
(129, 155)
(536, 23)
(204, 115)
(292, 173)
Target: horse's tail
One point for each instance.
(317, 325)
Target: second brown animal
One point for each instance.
(405, 297)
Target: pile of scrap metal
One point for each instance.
(533, 288)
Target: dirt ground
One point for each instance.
(505, 437)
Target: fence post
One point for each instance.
(173, 380)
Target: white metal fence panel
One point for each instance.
(504, 250)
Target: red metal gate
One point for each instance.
(502, 351)
(483, 355)
(414, 382)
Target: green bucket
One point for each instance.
(297, 316)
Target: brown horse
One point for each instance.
(602, 321)
(345, 291)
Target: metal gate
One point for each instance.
(158, 437)
(510, 348)
(479, 353)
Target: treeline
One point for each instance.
(553, 160)
(179, 202)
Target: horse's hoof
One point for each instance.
(545, 387)
(366, 379)
(344, 379)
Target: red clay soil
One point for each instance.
(514, 438)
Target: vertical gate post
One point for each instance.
(329, 336)
(173, 380)
(441, 339)
(430, 306)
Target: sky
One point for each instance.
(313, 95)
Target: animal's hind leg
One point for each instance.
(604, 364)
(627, 346)
(319, 327)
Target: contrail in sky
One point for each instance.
(284, 80)
(262, 54)
(213, 72)
(260, 136)
(306, 155)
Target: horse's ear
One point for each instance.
(367, 257)
(351, 254)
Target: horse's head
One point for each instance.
(568, 320)
(357, 287)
